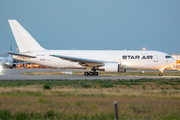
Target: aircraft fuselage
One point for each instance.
(126, 59)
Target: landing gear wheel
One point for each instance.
(91, 73)
(160, 74)
(86, 73)
(95, 73)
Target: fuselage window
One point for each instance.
(42, 59)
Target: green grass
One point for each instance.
(90, 99)
(175, 83)
(7, 115)
(46, 87)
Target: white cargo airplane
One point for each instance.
(92, 60)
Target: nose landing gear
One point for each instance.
(160, 74)
(161, 71)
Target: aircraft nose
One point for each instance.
(173, 61)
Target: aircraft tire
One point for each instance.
(86, 73)
(91, 73)
(160, 74)
(95, 73)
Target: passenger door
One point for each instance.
(156, 58)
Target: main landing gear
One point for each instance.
(90, 73)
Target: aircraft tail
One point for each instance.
(25, 42)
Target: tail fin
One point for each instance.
(25, 42)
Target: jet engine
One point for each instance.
(14, 65)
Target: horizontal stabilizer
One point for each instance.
(22, 55)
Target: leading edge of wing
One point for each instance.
(22, 55)
(80, 60)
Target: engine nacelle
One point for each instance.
(112, 67)
(14, 65)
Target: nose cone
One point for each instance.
(172, 61)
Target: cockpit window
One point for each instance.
(168, 56)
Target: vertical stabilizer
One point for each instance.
(25, 42)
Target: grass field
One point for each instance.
(90, 99)
(110, 74)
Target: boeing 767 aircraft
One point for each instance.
(92, 60)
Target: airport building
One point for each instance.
(32, 66)
(177, 57)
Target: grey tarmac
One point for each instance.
(15, 74)
(75, 77)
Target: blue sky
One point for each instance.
(94, 24)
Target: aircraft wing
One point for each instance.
(81, 61)
(8, 63)
(22, 55)
(17, 63)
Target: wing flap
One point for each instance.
(81, 61)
